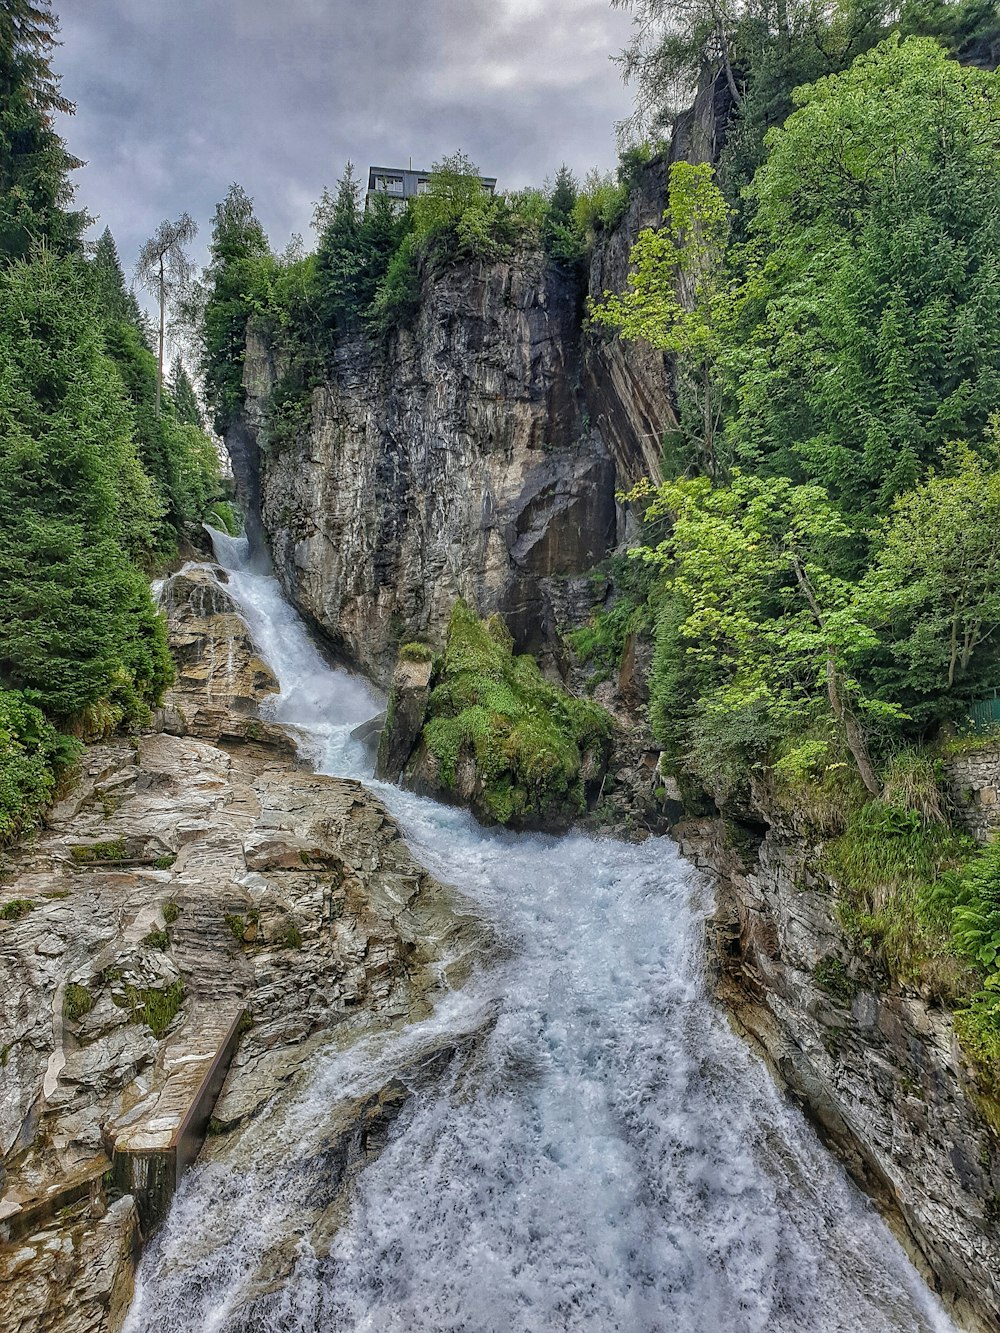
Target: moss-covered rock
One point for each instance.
(498, 737)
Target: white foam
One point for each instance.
(608, 1156)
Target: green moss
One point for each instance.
(292, 938)
(77, 1001)
(832, 976)
(156, 1008)
(15, 909)
(240, 924)
(164, 862)
(171, 911)
(88, 853)
(416, 652)
(529, 739)
(157, 939)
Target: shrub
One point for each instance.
(33, 756)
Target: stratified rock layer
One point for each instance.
(180, 884)
(880, 1070)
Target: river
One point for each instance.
(606, 1155)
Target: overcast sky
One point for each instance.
(176, 99)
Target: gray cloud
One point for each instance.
(174, 102)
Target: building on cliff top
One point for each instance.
(402, 184)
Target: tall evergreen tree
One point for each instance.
(77, 626)
(115, 299)
(338, 256)
(186, 408)
(239, 264)
(35, 165)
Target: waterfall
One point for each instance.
(599, 1151)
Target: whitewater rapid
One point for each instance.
(600, 1153)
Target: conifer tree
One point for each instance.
(186, 408)
(115, 299)
(239, 263)
(77, 627)
(35, 191)
(338, 256)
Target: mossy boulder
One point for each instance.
(501, 739)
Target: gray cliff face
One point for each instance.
(879, 1069)
(477, 457)
(629, 385)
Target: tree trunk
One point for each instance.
(159, 360)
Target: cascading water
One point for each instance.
(600, 1153)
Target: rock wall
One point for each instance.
(879, 1069)
(458, 462)
(974, 787)
(476, 456)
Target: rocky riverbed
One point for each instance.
(185, 880)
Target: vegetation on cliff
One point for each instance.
(521, 750)
(826, 564)
(364, 277)
(95, 483)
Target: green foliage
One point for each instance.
(832, 975)
(156, 1008)
(77, 1001)
(33, 757)
(771, 631)
(680, 299)
(171, 910)
(561, 237)
(870, 331)
(157, 939)
(236, 283)
(77, 625)
(933, 590)
(222, 516)
(533, 745)
(35, 191)
(601, 642)
(116, 303)
(397, 296)
(187, 409)
(888, 863)
(90, 853)
(415, 652)
(16, 908)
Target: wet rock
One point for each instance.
(408, 696)
(879, 1069)
(221, 678)
(178, 886)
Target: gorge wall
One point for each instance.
(477, 455)
(878, 1067)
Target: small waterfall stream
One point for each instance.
(607, 1155)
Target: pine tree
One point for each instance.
(186, 408)
(560, 236)
(116, 301)
(35, 191)
(379, 237)
(77, 626)
(239, 265)
(339, 257)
